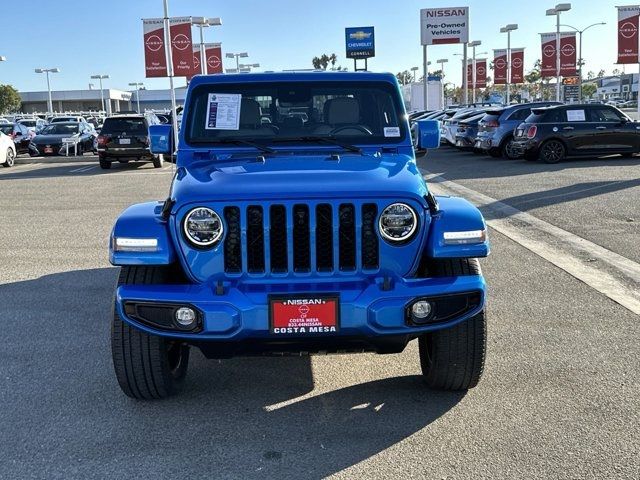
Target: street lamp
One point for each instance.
(414, 70)
(508, 29)
(248, 66)
(203, 22)
(101, 77)
(48, 71)
(3, 59)
(237, 56)
(580, 61)
(238, 70)
(137, 86)
(442, 61)
(473, 46)
(561, 7)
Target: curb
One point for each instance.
(69, 159)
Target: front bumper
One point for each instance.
(369, 309)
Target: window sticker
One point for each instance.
(223, 111)
(575, 116)
(391, 131)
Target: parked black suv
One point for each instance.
(126, 137)
(551, 134)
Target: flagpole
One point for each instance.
(169, 57)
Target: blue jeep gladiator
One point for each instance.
(297, 223)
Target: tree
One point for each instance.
(601, 73)
(9, 99)
(589, 89)
(616, 72)
(404, 78)
(323, 61)
(591, 75)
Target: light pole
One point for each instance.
(248, 66)
(48, 71)
(101, 77)
(3, 59)
(580, 61)
(561, 7)
(442, 61)
(414, 70)
(508, 29)
(137, 86)
(203, 22)
(237, 56)
(473, 46)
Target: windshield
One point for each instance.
(60, 129)
(6, 128)
(28, 123)
(134, 126)
(295, 112)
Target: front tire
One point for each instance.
(552, 151)
(453, 358)
(147, 366)
(10, 159)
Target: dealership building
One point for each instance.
(90, 100)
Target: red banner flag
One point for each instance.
(181, 46)
(481, 73)
(500, 67)
(197, 67)
(548, 68)
(469, 73)
(155, 59)
(568, 57)
(517, 65)
(213, 55)
(628, 25)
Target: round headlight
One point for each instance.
(203, 226)
(397, 222)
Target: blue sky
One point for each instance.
(83, 37)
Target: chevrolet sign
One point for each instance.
(360, 42)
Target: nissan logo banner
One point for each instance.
(517, 65)
(568, 56)
(360, 42)
(500, 66)
(181, 46)
(548, 67)
(155, 60)
(444, 25)
(628, 34)
(213, 55)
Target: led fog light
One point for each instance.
(185, 316)
(421, 309)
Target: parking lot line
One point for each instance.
(542, 239)
(85, 168)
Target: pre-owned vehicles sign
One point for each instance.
(444, 25)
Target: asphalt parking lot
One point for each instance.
(559, 397)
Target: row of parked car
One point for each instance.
(122, 137)
(545, 131)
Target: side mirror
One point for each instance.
(428, 134)
(160, 137)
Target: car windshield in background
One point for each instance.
(295, 112)
(60, 129)
(28, 123)
(133, 126)
(6, 128)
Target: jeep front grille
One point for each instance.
(301, 238)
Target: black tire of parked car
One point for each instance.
(104, 163)
(552, 151)
(158, 161)
(453, 358)
(10, 159)
(147, 366)
(507, 151)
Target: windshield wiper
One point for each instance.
(238, 141)
(332, 141)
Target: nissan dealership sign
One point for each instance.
(440, 26)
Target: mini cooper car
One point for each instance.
(296, 237)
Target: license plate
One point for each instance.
(125, 141)
(48, 150)
(304, 314)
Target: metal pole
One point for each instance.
(557, 56)
(238, 63)
(169, 56)
(473, 73)
(580, 69)
(102, 94)
(138, 99)
(425, 80)
(508, 67)
(442, 82)
(465, 83)
(202, 55)
(49, 90)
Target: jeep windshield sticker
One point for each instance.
(223, 111)
(575, 116)
(391, 131)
